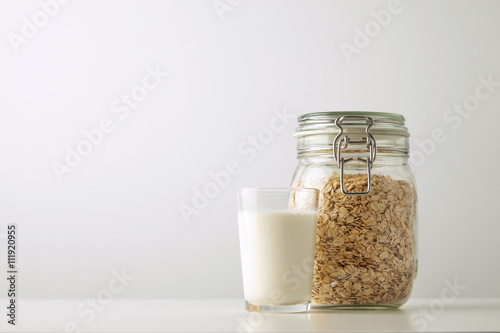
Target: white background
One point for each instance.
(120, 208)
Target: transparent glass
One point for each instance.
(366, 245)
(277, 229)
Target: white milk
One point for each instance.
(277, 254)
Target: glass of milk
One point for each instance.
(277, 228)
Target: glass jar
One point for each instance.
(367, 216)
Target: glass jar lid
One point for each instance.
(317, 131)
(383, 122)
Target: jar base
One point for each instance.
(356, 306)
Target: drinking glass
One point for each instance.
(277, 229)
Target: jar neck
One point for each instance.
(382, 159)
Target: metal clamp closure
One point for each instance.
(341, 144)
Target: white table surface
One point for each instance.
(461, 315)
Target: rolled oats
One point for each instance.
(365, 245)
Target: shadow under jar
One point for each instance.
(365, 255)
